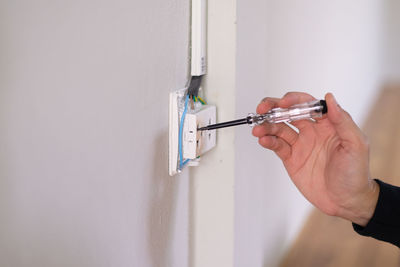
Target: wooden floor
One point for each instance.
(328, 241)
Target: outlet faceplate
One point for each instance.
(196, 143)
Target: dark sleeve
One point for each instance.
(385, 223)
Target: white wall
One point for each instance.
(299, 45)
(83, 133)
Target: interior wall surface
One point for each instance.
(84, 91)
(298, 45)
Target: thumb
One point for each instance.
(345, 127)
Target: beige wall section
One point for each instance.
(213, 182)
(392, 41)
(294, 45)
(84, 88)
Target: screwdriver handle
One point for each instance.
(309, 110)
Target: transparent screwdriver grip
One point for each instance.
(309, 110)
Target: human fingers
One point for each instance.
(345, 127)
(276, 144)
(280, 130)
(267, 104)
(293, 98)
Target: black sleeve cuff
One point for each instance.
(385, 223)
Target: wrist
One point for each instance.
(363, 207)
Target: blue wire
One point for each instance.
(181, 162)
(185, 162)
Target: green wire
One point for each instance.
(201, 100)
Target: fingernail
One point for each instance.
(334, 99)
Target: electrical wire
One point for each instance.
(181, 162)
(201, 100)
(194, 86)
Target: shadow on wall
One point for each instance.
(162, 207)
(7, 184)
(6, 201)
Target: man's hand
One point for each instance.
(328, 160)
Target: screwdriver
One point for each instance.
(309, 110)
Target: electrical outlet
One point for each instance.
(196, 143)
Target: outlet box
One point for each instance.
(175, 100)
(196, 143)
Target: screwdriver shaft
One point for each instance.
(224, 124)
